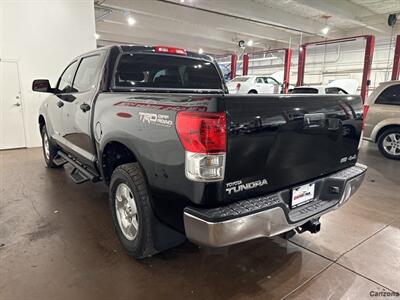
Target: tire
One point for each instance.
(389, 143)
(128, 192)
(253, 92)
(49, 150)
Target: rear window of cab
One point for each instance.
(166, 71)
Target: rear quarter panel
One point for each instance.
(381, 118)
(145, 123)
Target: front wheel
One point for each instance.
(389, 143)
(49, 150)
(131, 210)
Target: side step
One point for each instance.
(79, 174)
(59, 161)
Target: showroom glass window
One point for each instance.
(390, 95)
(166, 71)
(86, 75)
(65, 81)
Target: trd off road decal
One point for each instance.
(156, 119)
(238, 186)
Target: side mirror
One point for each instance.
(41, 85)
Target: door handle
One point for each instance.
(60, 104)
(85, 107)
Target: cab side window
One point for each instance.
(390, 96)
(65, 81)
(259, 80)
(87, 74)
(271, 80)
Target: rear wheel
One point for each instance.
(131, 210)
(49, 150)
(253, 92)
(389, 143)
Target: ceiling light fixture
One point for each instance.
(325, 30)
(97, 36)
(250, 43)
(131, 21)
(182, 1)
(201, 51)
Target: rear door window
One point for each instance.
(166, 72)
(390, 96)
(270, 80)
(259, 80)
(87, 74)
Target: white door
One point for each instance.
(263, 87)
(12, 132)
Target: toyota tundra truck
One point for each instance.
(183, 159)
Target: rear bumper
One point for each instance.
(269, 215)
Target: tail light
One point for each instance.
(365, 112)
(170, 50)
(238, 87)
(203, 135)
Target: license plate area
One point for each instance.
(302, 194)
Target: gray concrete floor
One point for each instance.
(57, 242)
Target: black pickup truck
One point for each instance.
(184, 159)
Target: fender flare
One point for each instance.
(381, 125)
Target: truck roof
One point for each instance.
(124, 48)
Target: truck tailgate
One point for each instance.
(280, 141)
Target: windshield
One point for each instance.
(155, 71)
(240, 79)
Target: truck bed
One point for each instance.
(274, 142)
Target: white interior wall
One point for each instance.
(43, 36)
(1, 76)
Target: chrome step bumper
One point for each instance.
(269, 215)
